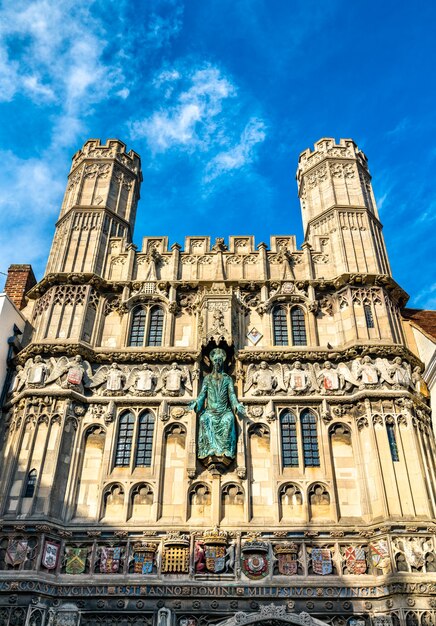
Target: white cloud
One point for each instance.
(239, 155)
(188, 121)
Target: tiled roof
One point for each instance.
(426, 320)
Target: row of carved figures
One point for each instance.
(217, 552)
(259, 380)
(111, 380)
(327, 378)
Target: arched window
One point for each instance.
(310, 439)
(280, 326)
(392, 442)
(298, 326)
(124, 442)
(145, 440)
(155, 328)
(368, 316)
(137, 330)
(30, 484)
(288, 425)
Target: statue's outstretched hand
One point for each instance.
(192, 406)
(240, 408)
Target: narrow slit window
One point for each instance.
(155, 330)
(310, 440)
(392, 442)
(137, 330)
(144, 446)
(369, 318)
(30, 484)
(124, 442)
(288, 425)
(298, 327)
(280, 327)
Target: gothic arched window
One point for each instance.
(310, 439)
(298, 327)
(392, 442)
(144, 445)
(137, 330)
(280, 326)
(124, 441)
(155, 328)
(288, 425)
(30, 484)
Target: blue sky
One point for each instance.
(219, 97)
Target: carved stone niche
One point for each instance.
(217, 315)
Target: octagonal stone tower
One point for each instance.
(99, 203)
(338, 207)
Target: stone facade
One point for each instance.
(327, 512)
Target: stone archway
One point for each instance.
(272, 615)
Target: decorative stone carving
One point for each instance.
(174, 381)
(264, 379)
(296, 378)
(73, 374)
(142, 380)
(112, 377)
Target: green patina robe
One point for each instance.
(217, 430)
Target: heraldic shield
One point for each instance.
(215, 546)
(380, 555)
(16, 552)
(255, 559)
(50, 555)
(76, 560)
(322, 561)
(144, 557)
(287, 558)
(355, 560)
(110, 560)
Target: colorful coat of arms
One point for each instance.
(16, 552)
(144, 558)
(215, 557)
(50, 555)
(287, 558)
(110, 560)
(355, 560)
(322, 561)
(76, 560)
(254, 559)
(380, 555)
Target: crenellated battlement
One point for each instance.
(112, 149)
(327, 148)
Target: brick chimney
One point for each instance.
(19, 281)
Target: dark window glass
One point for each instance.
(124, 443)
(288, 425)
(145, 440)
(368, 316)
(310, 440)
(138, 328)
(280, 327)
(156, 327)
(298, 327)
(30, 484)
(392, 442)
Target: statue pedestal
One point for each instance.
(216, 465)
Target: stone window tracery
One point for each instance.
(289, 322)
(288, 424)
(30, 484)
(146, 327)
(144, 445)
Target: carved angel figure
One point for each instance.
(78, 373)
(419, 383)
(366, 371)
(113, 376)
(36, 371)
(400, 373)
(175, 380)
(19, 379)
(328, 378)
(142, 379)
(265, 379)
(297, 379)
